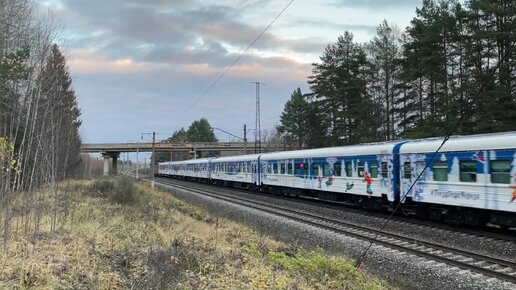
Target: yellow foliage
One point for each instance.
(6, 149)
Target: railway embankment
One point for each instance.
(119, 234)
(404, 267)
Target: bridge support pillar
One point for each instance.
(114, 157)
(106, 164)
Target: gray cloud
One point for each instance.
(377, 4)
(177, 31)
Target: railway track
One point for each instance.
(489, 266)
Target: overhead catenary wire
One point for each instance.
(232, 64)
(445, 139)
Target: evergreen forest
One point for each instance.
(452, 70)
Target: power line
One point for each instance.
(234, 62)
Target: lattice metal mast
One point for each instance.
(257, 129)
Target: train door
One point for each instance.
(410, 170)
(209, 168)
(386, 176)
(254, 172)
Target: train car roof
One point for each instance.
(197, 161)
(190, 161)
(353, 150)
(493, 141)
(237, 158)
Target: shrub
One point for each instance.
(103, 186)
(168, 266)
(120, 189)
(314, 262)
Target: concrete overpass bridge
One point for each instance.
(168, 147)
(112, 150)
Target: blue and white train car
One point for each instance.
(472, 179)
(165, 169)
(198, 169)
(359, 173)
(171, 169)
(176, 168)
(238, 171)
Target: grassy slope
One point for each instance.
(114, 234)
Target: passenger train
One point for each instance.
(471, 180)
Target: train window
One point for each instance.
(297, 169)
(349, 169)
(361, 169)
(374, 169)
(407, 170)
(468, 171)
(501, 171)
(326, 169)
(440, 171)
(289, 168)
(385, 170)
(337, 167)
(282, 167)
(316, 169)
(269, 168)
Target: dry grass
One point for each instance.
(150, 240)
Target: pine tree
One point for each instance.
(492, 25)
(60, 117)
(294, 119)
(338, 84)
(201, 131)
(428, 69)
(179, 136)
(384, 54)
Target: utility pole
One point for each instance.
(137, 161)
(257, 129)
(153, 158)
(245, 139)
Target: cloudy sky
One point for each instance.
(138, 66)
